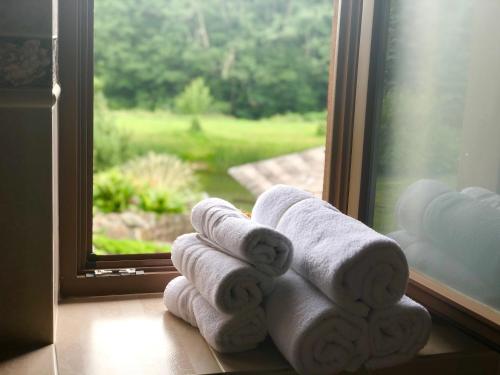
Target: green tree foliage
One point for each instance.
(112, 191)
(111, 145)
(194, 100)
(260, 57)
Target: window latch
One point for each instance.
(115, 272)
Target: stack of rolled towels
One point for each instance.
(227, 268)
(342, 303)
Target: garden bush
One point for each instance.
(161, 201)
(158, 183)
(112, 191)
(165, 184)
(160, 171)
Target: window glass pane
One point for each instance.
(438, 142)
(202, 98)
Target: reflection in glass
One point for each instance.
(438, 142)
(452, 236)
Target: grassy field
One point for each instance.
(227, 141)
(104, 245)
(223, 142)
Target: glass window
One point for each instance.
(202, 98)
(437, 185)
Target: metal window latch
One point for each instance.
(116, 272)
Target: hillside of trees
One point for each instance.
(258, 57)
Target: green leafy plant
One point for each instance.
(103, 245)
(112, 192)
(111, 144)
(256, 67)
(160, 171)
(195, 100)
(164, 183)
(161, 201)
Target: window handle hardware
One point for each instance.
(116, 272)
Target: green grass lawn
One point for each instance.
(104, 245)
(224, 142)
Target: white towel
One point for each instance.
(483, 195)
(413, 202)
(313, 334)
(427, 258)
(465, 228)
(397, 333)
(228, 229)
(229, 284)
(274, 202)
(349, 262)
(224, 332)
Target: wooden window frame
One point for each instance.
(358, 40)
(75, 174)
(354, 105)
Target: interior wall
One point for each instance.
(28, 173)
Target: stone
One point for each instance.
(142, 225)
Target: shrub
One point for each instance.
(112, 192)
(110, 143)
(160, 171)
(164, 182)
(103, 245)
(194, 100)
(161, 201)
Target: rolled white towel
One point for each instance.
(315, 335)
(224, 332)
(228, 284)
(426, 257)
(397, 333)
(274, 202)
(349, 262)
(483, 195)
(228, 229)
(413, 202)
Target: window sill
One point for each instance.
(133, 335)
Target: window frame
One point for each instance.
(75, 174)
(356, 73)
(354, 105)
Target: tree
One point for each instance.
(194, 100)
(260, 57)
(111, 145)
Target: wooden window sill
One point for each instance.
(134, 335)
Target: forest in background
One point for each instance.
(258, 57)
